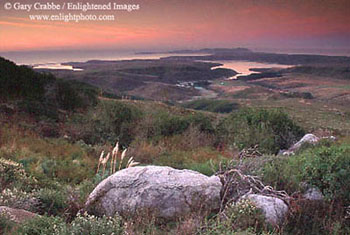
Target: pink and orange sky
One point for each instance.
(176, 24)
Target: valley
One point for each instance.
(314, 89)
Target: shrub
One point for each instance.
(272, 130)
(201, 122)
(282, 173)
(111, 120)
(303, 95)
(324, 167)
(170, 125)
(73, 94)
(315, 217)
(217, 106)
(39, 109)
(242, 216)
(89, 224)
(80, 225)
(52, 201)
(41, 225)
(63, 170)
(328, 169)
(13, 174)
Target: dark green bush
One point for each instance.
(110, 121)
(324, 167)
(169, 125)
(282, 173)
(172, 125)
(39, 108)
(217, 106)
(303, 95)
(201, 121)
(272, 130)
(52, 201)
(328, 169)
(73, 94)
(63, 170)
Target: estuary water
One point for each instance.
(243, 68)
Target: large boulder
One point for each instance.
(17, 215)
(273, 208)
(166, 192)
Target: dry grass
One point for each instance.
(115, 157)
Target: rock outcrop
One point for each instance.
(166, 192)
(273, 208)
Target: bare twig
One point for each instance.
(237, 185)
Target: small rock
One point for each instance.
(17, 215)
(274, 209)
(308, 138)
(168, 193)
(313, 194)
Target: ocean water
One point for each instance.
(54, 58)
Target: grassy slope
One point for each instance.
(328, 110)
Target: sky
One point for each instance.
(180, 24)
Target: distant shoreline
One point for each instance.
(59, 57)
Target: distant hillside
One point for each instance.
(136, 77)
(216, 54)
(42, 93)
(340, 72)
(22, 82)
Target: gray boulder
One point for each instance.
(166, 192)
(17, 215)
(274, 209)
